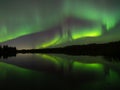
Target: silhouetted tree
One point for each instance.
(7, 51)
(5, 47)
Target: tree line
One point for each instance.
(6, 48)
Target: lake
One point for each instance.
(60, 72)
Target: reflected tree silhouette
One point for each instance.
(114, 58)
(7, 51)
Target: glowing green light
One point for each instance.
(53, 59)
(87, 10)
(3, 33)
(91, 66)
(54, 41)
(109, 22)
(6, 69)
(113, 76)
(78, 33)
(39, 19)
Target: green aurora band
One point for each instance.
(38, 17)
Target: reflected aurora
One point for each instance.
(92, 66)
(6, 70)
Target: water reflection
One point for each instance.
(112, 58)
(12, 77)
(61, 71)
(7, 55)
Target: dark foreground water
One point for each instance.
(60, 72)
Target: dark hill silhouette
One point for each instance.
(112, 48)
(107, 49)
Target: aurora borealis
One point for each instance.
(45, 23)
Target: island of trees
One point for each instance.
(112, 48)
(7, 51)
(107, 49)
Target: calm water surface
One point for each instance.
(60, 72)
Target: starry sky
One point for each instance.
(46, 23)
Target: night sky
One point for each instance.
(46, 23)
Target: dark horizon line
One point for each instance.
(118, 41)
(107, 48)
(112, 48)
